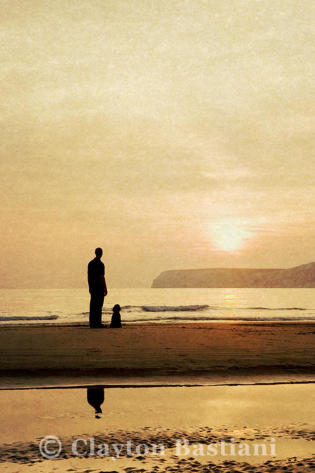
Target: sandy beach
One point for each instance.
(163, 384)
(226, 418)
(193, 353)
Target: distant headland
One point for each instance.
(299, 276)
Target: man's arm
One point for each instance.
(104, 281)
(89, 277)
(105, 287)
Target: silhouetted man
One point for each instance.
(97, 288)
(95, 397)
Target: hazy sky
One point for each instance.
(174, 134)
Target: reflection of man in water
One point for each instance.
(95, 397)
(97, 288)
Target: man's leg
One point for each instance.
(93, 310)
(98, 315)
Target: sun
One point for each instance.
(228, 235)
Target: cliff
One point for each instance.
(299, 276)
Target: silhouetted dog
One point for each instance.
(116, 320)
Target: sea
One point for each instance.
(153, 305)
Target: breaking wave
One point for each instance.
(22, 317)
(196, 308)
(173, 308)
(220, 318)
(276, 308)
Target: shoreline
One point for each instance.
(166, 322)
(155, 385)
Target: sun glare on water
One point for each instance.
(228, 236)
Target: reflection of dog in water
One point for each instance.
(95, 397)
(116, 320)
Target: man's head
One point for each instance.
(98, 252)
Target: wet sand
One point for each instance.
(226, 354)
(253, 415)
(192, 353)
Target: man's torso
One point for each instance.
(96, 272)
